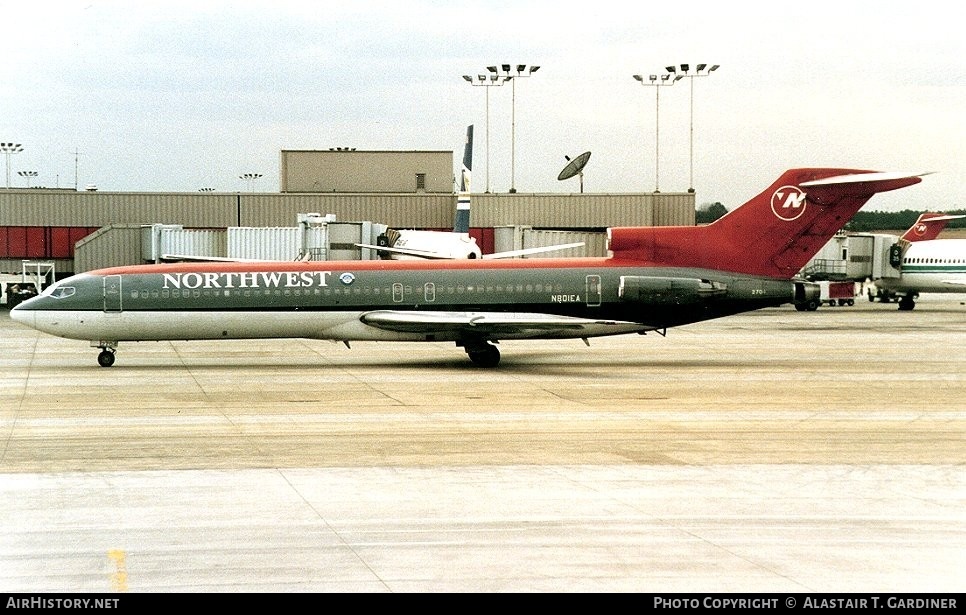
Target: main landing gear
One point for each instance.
(907, 302)
(483, 354)
(106, 356)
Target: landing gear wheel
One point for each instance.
(484, 356)
(105, 358)
(906, 303)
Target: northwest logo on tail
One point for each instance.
(788, 203)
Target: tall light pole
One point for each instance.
(658, 83)
(522, 70)
(76, 164)
(9, 149)
(487, 81)
(27, 175)
(250, 178)
(699, 72)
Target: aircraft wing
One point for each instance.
(436, 255)
(526, 251)
(220, 259)
(482, 323)
(205, 259)
(407, 252)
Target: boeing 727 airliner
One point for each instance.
(654, 278)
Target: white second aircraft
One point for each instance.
(927, 265)
(408, 244)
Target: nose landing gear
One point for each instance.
(106, 356)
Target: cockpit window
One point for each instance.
(62, 292)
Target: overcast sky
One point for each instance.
(176, 96)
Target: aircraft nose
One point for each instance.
(22, 316)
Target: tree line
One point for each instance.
(866, 221)
(862, 222)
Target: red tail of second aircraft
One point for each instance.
(772, 235)
(928, 226)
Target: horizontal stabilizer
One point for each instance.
(863, 178)
(943, 218)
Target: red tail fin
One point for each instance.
(928, 226)
(773, 235)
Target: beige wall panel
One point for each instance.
(581, 210)
(110, 246)
(40, 208)
(221, 210)
(397, 210)
(674, 210)
(365, 171)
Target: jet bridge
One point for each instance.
(853, 257)
(315, 237)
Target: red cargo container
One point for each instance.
(838, 293)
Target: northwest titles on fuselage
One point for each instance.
(260, 279)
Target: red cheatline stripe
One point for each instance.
(374, 265)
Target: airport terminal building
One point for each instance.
(74, 231)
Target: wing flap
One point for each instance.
(481, 323)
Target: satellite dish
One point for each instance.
(575, 167)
